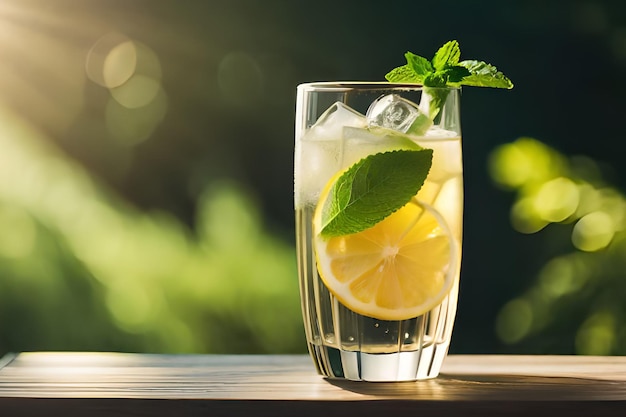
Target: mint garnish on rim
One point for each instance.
(372, 189)
(445, 70)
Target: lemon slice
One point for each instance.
(398, 269)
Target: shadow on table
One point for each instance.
(452, 387)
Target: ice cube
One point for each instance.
(319, 151)
(447, 160)
(359, 143)
(317, 162)
(329, 126)
(397, 113)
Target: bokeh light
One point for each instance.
(129, 126)
(597, 335)
(144, 82)
(525, 218)
(593, 232)
(112, 60)
(561, 276)
(573, 195)
(524, 163)
(132, 73)
(514, 321)
(556, 200)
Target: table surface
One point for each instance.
(97, 384)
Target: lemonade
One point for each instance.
(379, 206)
(351, 335)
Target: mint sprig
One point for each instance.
(372, 189)
(446, 70)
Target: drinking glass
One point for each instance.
(337, 125)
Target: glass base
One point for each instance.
(379, 367)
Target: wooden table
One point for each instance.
(118, 384)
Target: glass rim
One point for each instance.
(366, 85)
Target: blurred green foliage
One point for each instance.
(80, 269)
(576, 301)
(146, 198)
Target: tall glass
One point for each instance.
(332, 134)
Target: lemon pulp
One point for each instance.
(398, 269)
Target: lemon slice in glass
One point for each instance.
(398, 269)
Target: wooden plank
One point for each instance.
(144, 384)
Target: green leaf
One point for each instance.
(414, 71)
(372, 189)
(457, 73)
(436, 79)
(484, 75)
(448, 55)
(419, 64)
(446, 77)
(404, 74)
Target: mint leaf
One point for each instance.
(372, 189)
(404, 74)
(448, 55)
(437, 79)
(484, 75)
(419, 64)
(457, 73)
